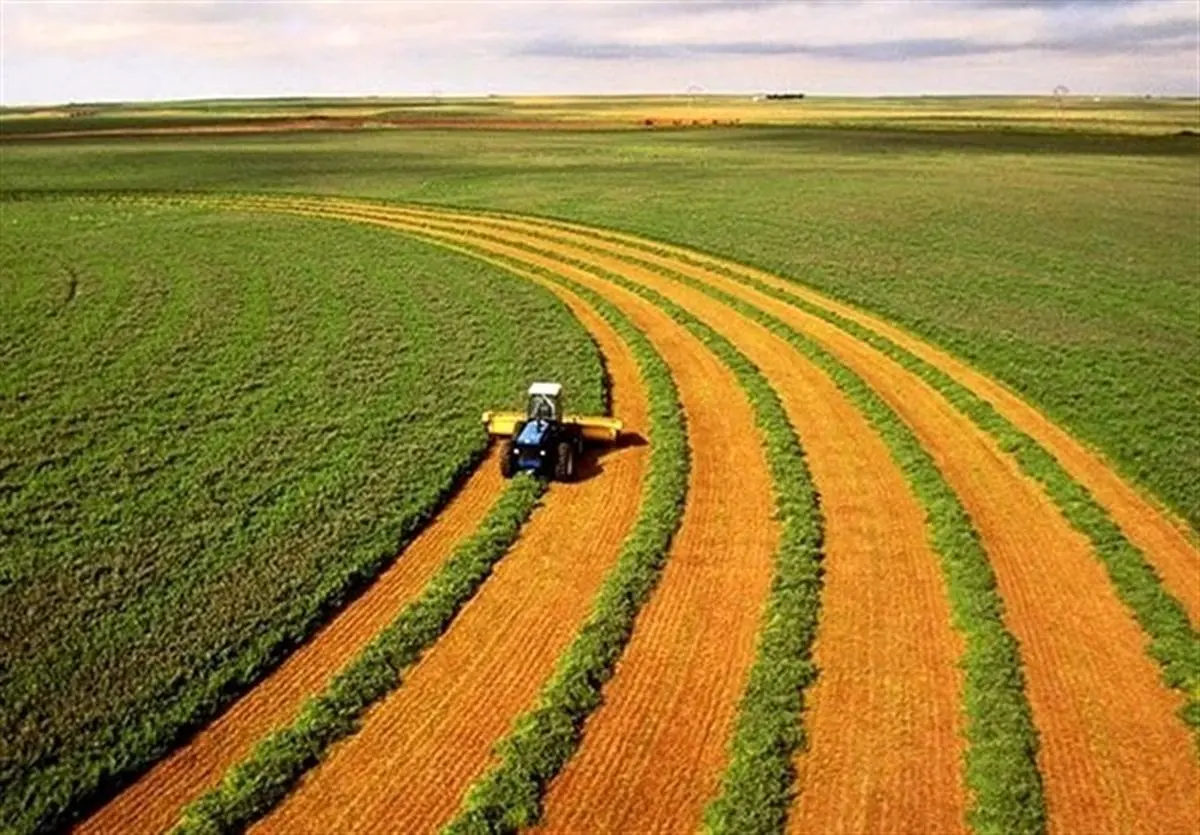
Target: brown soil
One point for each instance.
(420, 748)
(153, 803)
(1164, 539)
(885, 615)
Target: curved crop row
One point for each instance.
(200, 419)
(1076, 766)
(277, 763)
(1001, 760)
(543, 739)
(1001, 764)
(717, 404)
(486, 669)
(1006, 781)
(1001, 757)
(1175, 641)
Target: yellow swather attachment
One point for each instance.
(596, 430)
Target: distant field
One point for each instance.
(1071, 113)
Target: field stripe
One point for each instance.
(920, 719)
(1084, 649)
(695, 639)
(153, 803)
(876, 549)
(420, 748)
(1175, 643)
(1163, 539)
(1104, 755)
(1166, 540)
(543, 739)
(903, 633)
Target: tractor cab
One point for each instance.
(545, 401)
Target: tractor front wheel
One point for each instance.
(564, 462)
(506, 460)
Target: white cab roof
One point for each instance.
(547, 389)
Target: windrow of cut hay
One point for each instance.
(259, 782)
(154, 802)
(201, 457)
(543, 739)
(1145, 540)
(773, 774)
(785, 720)
(1078, 666)
(420, 749)
(704, 680)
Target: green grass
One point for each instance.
(543, 739)
(1061, 264)
(214, 429)
(255, 785)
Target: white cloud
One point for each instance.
(127, 50)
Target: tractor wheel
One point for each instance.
(564, 462)
(506, 460)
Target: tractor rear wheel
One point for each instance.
(564, 462)
(506, 460)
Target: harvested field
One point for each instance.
(1131, 734)
(891, 697)
(876, 541)
(675, 629)
(154, 802)
(1156, 532)
(1063, 656)
(486, 669)
(876, 551)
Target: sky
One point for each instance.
(92, 50)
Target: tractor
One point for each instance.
(544, 440)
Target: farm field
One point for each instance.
(907, 486)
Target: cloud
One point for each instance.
(131, 49)
(1157, 36)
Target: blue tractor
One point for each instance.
(544, 441)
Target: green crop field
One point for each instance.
(1062, 263)
(214, 429)
(218, 426)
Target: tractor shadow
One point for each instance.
(591, 463)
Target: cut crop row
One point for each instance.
(1174, 640)
(1001, 766)
(758, 781)
(254, 786)
(543, 739)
